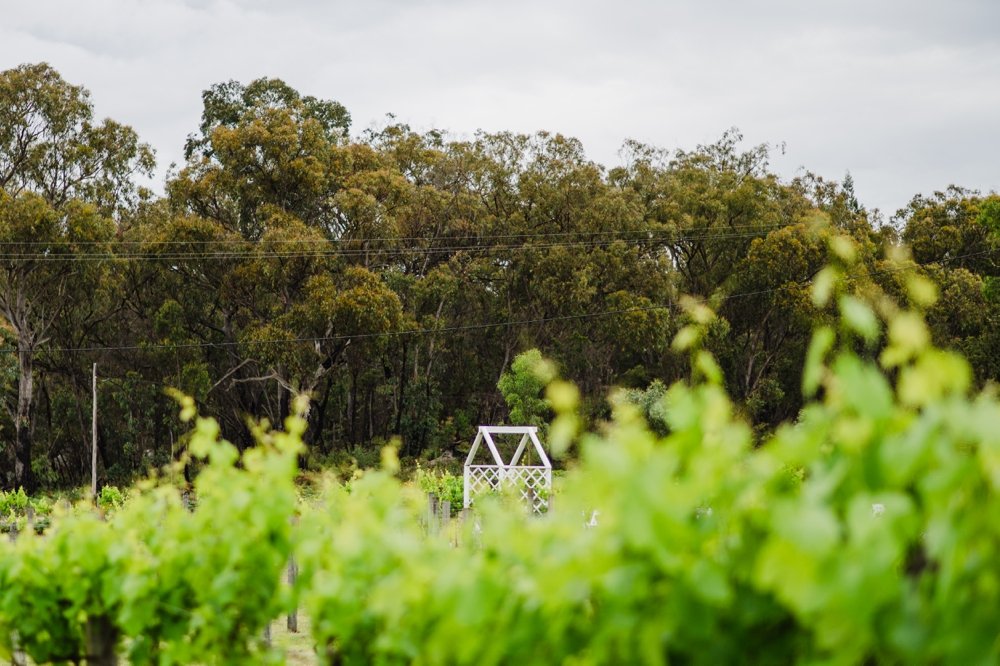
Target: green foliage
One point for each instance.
(447, 487)
(859, 534)
(227, 104)
(364, 457)
(522, 387)
(15, 507)
(13, 502)
(989, 215)
(171, 585)
(651, 404)
(111, 498)
(51, 145)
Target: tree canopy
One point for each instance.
(395, 276)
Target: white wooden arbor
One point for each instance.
(534, 482)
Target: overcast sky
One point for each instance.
(903, 94)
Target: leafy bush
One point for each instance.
(862, 533)
(13, 502)
(365, 457)
(14, 507)
(522, 388)
(650, 403)
(155, 581)
(111, 498)
(446, 486)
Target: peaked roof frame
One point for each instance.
(528, 434)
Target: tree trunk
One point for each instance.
(401, 401)
(284, 406)
(371, 413)
(23, 475)
(103, 450)
(101, 639)
(352, 405)
(314, 436)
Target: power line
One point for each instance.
(256, 254)
(364, 239)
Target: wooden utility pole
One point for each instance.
(93, 448)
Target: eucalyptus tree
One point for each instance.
(952, 228)
(706, 206)
(64, 181)
(769, 316)
(275, 173)
(955, 236)
(264, 145)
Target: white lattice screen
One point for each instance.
(533, 482)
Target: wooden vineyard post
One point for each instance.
(293, 615)
(466, 481)
(444, 516)
(101, 641)
(18, 658)
(293, 576)
(444, 512)
(432, 517)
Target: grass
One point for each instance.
(298, 647)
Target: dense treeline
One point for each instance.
(394, 275)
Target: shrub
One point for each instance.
(446, 486)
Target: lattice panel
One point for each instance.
(533, 483)
(482, 478)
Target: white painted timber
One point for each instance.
(533, 482)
